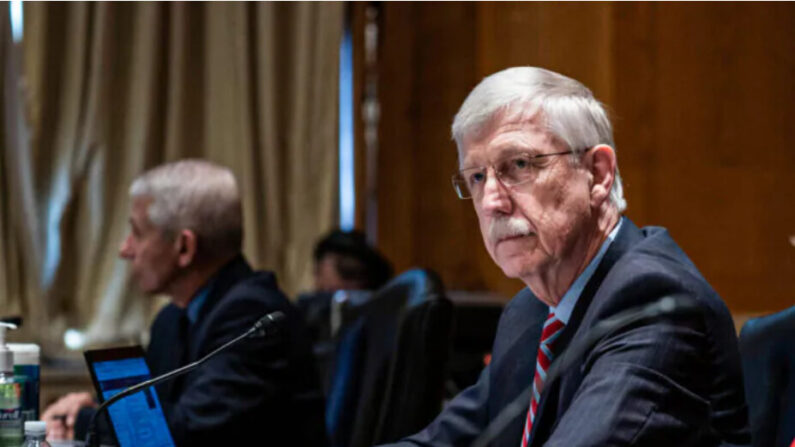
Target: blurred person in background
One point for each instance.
(343, 260)
(185, 241)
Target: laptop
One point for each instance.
(138, 419)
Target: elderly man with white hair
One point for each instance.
(185, 241)
(538, 161)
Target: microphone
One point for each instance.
(261, 328)
(666, 306)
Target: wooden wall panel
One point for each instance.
(570, 38)
(397, 135)
(702, 97)
(356, 16)
(711, 161)
(421, 222)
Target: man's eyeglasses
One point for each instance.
(512, 170)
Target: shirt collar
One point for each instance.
(195, 305)
(566, 305)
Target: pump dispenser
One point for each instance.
(10, 394)
(6, 356)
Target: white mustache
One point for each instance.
(505, 227)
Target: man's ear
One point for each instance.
(187, 245)
(602, 166)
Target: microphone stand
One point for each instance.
(665, 306)
(259, 329)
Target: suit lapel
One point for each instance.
(227, 277)
(168, 350)
(627, 236)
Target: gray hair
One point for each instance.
(198, 195)
(568, 108)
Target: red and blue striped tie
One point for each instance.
(552, 329)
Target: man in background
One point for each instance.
(537, 159)
(185, 241)
(345, 261)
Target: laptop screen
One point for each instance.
(138, 419)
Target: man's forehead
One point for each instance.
(140, 202)
(139, 208)
(503, 137)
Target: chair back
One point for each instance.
(391, 359)
(768, 357)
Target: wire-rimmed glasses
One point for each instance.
(512, 170)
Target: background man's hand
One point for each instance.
(60, 416)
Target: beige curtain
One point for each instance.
(114, 88)
(19, 244)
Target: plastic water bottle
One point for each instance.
(35, 431)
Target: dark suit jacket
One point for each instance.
(263, 389)
(666, 382)
(768, 351)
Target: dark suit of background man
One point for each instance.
(537, 159)
(185, 241)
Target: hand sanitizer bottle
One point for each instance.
(26, 371)
(10, 395)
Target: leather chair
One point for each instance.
(391, 361)
(767, 347)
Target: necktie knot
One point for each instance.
(552, 328)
